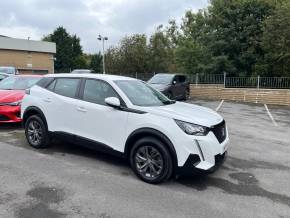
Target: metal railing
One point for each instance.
(141, 76)
(206, 78)
(225, 81)
(241, 82)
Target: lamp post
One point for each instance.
(103, 39)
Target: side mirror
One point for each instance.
(113, 102)
(174, 82)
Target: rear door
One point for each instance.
(60, 104)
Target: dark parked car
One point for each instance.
(174, 86)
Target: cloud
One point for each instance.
(88, 18)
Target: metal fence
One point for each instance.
(141, 76)
(225, 81)
(241, 82)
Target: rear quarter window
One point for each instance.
(44, 81)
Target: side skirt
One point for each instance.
(87, 143)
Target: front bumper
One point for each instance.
(202, 153)
(189, 168)
(10, 114)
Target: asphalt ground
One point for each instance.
(69, 181)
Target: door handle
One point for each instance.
(48, 100)
(81, 109)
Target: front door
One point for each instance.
(98, 121)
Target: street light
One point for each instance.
(103, 39)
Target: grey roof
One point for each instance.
(27, 45)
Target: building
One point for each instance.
(28, 56)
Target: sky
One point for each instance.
(89, 18)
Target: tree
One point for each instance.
(69, 53)
(191, 52)
(276, 43)
(114, 61)
(236, 32)
(159, 52)
(96, 62)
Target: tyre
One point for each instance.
(36, 132)
(151, 160)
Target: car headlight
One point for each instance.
(192, 129)
(16, 103)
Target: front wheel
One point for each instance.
(36, 132)
(151, 160)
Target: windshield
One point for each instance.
(161, 79)
(18, 83)
(141, 94)
(8, 70)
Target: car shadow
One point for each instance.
(59, 147)
(10, 126)
(13, 134)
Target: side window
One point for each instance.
(97, 91)
(182, 79)
(51, 86)
(66, 87)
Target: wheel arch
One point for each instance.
(32, 110)
(144, 132)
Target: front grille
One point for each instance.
(3, 118)
(219, 131)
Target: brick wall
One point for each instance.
(24, 60)
(264, 96)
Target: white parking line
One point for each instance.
(220, 105)
(270, 115)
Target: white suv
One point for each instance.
(127, 117)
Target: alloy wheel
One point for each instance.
(35, 132)
(149, 162)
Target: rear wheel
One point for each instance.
(151, 161)
(36, 132)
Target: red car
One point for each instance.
(12, 91)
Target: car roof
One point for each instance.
(90, 75)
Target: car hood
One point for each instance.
(159, 86)
(7, 96)
(187, 112)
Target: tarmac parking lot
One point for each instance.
(69, 181)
